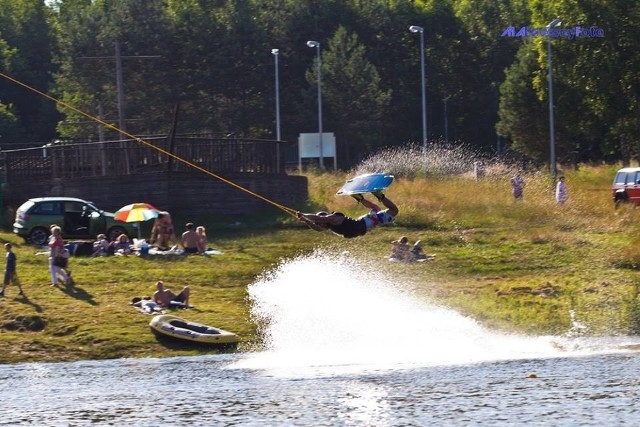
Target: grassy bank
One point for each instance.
(517, 266)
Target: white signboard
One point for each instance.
(309, 147)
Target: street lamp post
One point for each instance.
(275, 53)
(552, 141)
(416, 29)
(316, 44)
(446, 121)
(122, 123)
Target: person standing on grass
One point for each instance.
(57, 259)
(517, 186)
(10, 275)
(562, 192)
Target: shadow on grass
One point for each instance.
(78, 293)
(25, 300)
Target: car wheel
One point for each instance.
(39, 236)
(114, 232)
(619, 200)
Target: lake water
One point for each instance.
(344, 347)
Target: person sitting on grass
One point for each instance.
(400, 249)
(162, 232)
(350, 227)
(189, 239)
(202, 239)
(122, 246)
(166, 298)
(100, 246)
(417, 251)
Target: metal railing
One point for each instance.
(126, 157)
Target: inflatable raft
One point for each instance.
(178, 329)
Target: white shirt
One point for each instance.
(374, 218)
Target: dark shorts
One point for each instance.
(178, 301)
(191, 250)
(350, 228)
(181, 297)
(8, 277)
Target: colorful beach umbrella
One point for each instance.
(136, 212)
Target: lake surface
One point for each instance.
(344, 349)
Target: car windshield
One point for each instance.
(92, 206)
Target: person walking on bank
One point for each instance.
(517, 186)
(562, 192)
(10, 275)
(57, 259)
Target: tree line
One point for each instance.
(486, 86)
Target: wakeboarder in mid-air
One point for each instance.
(350, 227)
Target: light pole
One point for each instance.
(315, 44)
(446, 121)
(275, 53)
(416, 29)
(552, 140)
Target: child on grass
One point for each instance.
(10, 275)
(202, 239)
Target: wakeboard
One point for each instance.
(367, 183)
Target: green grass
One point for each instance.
(494, 257)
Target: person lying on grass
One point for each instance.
(350, 227)
(166, 298)
(146, 305)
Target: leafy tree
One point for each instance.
(522, 115)
(351, 87)
(87, 36)
(10, 130)
(488, 53)
(26, 52)
(595, 83)
(216, 63)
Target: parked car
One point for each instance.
(79, 219)
(626, 186)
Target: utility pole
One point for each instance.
(120, 94)
(118, 57)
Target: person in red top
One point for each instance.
(56, 252)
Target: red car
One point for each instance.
(626, 186)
